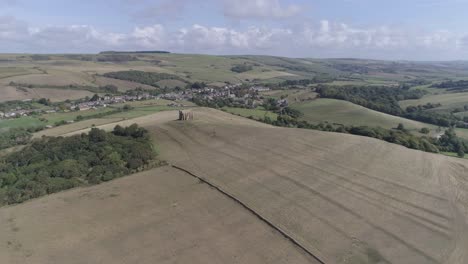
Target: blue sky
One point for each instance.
(379, 29)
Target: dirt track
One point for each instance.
(348, 199)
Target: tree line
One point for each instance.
(148, 78)
(453, 86)
(53, 164)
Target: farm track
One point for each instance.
(157, 216)
(314, 256)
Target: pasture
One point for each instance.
(346, 113)
(258, 114)
(449, 101)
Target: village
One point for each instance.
(239, 94)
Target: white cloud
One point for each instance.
(259, 9)
(323, 39)
(152, 37)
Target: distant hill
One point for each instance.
(144, 51)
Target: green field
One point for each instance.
(293, 95)
(22, 122)
(346, 113)
(52, 118)
(449, 101)
(258, 113)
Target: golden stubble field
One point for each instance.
(346, 199)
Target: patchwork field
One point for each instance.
(63, 70)
(344, 198)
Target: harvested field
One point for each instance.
(56, 95)
(349, 199)
(159, 216)
(53, 78)
(346, 199)
(9, 93)
(59, 95)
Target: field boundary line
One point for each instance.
(258, 215)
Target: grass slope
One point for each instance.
(449, 101)
(346, 113)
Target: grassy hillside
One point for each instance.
(346, 113)
(449, 101)
(258, 114)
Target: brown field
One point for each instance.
(9, 93)
(53, 78)
(346, 199)
(159, 216)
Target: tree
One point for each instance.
(95, 98)
(44, 101)
(401, 127)
(424, 130)
(460, 149)
(97, 135)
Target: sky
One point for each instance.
(425, 30)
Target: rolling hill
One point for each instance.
(283, 195)
(63, 70)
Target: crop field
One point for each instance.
(342, 198)
(346, 113)
(6, 72)
(348, 199)
(10, 93)
(158, 216)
